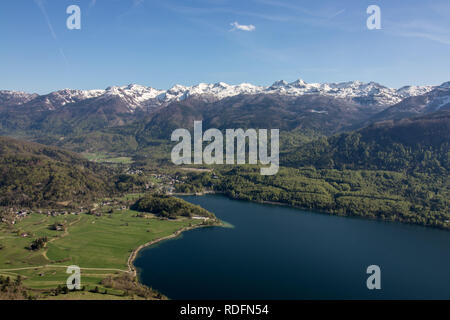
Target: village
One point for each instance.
(164, 183)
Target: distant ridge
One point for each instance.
(140, 97)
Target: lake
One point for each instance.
(276, 252)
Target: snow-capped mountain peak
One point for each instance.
(408, 91)
(299, 83)
(279, 83)
(445, 85)
(135, 96)
(14, 98)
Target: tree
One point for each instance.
(38, 243)
(19, 280)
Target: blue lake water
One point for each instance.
(276, 252)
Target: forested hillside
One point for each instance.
(169, 207)
(417, 144)
(417, 198)
(33, 175)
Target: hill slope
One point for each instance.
(36, 175)
(323, 114)
(419, 144)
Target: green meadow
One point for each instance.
(105, 158)
(107, 241)
(100, 246)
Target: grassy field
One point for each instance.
(15, 253)
(100, 246)
(92, 296)
(105, 158)
(49, 277)
(107, 242)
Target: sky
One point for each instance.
(160, 43)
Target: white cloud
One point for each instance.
(243, 27)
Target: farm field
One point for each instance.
(105, 158)
(99, 245)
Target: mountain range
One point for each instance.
(366, 149)
(141, 97)
(130, 117)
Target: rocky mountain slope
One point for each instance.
(431, 101)
(326, 109)
(141, 97)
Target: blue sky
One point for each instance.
(160, 43)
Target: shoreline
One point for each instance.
(196, 193)
(130, 262)
(319, 211)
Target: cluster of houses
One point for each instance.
(15, 215)
(5, 220)
(22, 213)
(166, 178)
(114, 205)
(62, 213)
(132, 171)
(168, 182)
(59, 227)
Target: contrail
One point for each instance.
(44, 12)
(40, 4)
